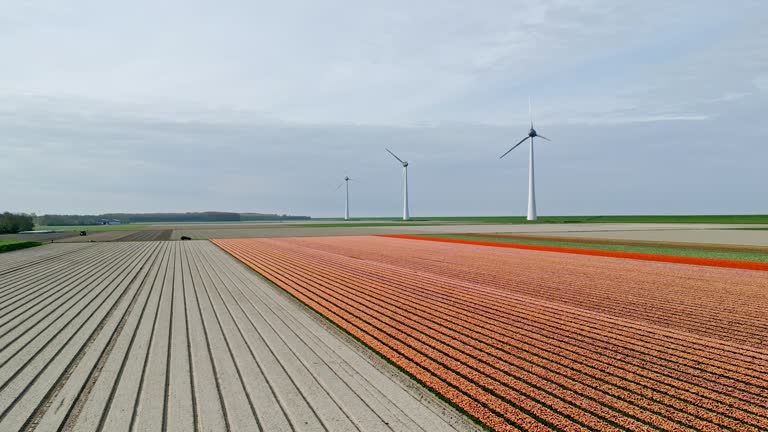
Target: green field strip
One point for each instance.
(12, 245)
(656, 250)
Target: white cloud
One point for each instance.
(201, 97)
(617, 120)
(761, 82)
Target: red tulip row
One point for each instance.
(640, 256)
(515, 361)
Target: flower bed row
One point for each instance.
(727, 304)
(682, 348)
(516, 362)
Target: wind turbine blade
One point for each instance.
(543, 137)
(530, 111)
(395, 156)
(340, 184)
(514, 147)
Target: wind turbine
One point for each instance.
(346, 201)
(531, 188)
(406, 216)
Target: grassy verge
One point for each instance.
(95, 228)
(11, 245)
(657, 250)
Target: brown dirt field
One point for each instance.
(200, 234)
(288, 224)
(100, 236)
(148, 235)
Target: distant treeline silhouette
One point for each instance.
(11, 223)
(212, 216)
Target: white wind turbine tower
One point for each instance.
(531, 188)
(406, 216)
(346, 200)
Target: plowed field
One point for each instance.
(178, 336)
(148, 235)
(533, 340)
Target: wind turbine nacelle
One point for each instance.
(532, 133)
(405, 164)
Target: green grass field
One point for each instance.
(658, 250)
(703, 219)
(11, 245)
(95, 228)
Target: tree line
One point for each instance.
(11, 223)
(212, 216)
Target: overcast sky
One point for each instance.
(137, 106)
